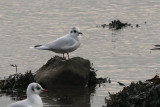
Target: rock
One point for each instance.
(137, 25)
(116, 25)
(155, 80)
(17, 81)
(59, 72)
(140, 94)
(121, 84)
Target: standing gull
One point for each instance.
(33, 98)
(64, 44)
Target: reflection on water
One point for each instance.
(14, 94)
(122, 55)
(64, 96)
(7, 97)
(69, 96)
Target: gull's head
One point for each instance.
(34, 88)
(75, 31)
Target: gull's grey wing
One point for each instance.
(72, 47)
(61, 42)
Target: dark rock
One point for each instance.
(137, 25)
(116, 25)
(17, 81)
(56, 72)
(59, 72)
(104, 25)
(157, 47)
(121, 84)
(140, 94)
(155, 80)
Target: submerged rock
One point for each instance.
(59, 72)
(157, 47)
(140, 94)
(116, 25)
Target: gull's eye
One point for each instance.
(38, 88)
(75, 31)
(32, 88)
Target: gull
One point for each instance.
(64, 44)
(33, 98)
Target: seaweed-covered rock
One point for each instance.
(59, 72)
(140, 94)
(56, 72)
(17, 81)
(116, 25)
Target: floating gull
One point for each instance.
(33, 98)
(64, 44)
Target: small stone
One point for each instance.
(137, 25)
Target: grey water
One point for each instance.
(122, 55)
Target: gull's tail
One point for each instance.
(40, 47)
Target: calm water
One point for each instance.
(121, 55)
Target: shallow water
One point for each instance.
(122, 55)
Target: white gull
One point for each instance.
(64, 44)
(33, 98)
